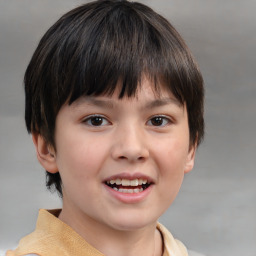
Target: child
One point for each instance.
(114, 102)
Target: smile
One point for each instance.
(128, 186)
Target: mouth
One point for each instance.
(133, 186)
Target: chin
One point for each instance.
(133, 222)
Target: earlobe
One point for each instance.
(45, 153)
(190, 159)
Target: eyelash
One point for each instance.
(162, 119)
(102, 121)
(88, 120)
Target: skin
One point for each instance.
(126, 141)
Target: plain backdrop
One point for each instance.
(215, 212)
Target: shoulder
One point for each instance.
(31, 254)
(173, 246)
(12, 253)
(193, 253)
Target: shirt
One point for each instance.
(53, 237)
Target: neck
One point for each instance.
(145, 241)
(130, 243)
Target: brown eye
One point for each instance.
(96, 121)
(159, 121)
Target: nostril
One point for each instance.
(141, 158)
(129, 153)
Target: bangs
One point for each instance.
(115, 46)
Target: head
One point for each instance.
(103, 47)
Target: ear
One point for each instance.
(45, 153)
(190, 159)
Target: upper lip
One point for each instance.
(129, 176)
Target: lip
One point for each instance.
(129, 198)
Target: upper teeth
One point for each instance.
(125, 182)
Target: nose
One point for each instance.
(129, 143)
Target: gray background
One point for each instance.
(215, 212)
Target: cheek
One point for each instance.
(78, 159)
(171, 164)
(79, 170)
(173, 154)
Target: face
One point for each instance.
(122, 161)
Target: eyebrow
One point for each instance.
(94, 101)
(110, 105)
(162, 102)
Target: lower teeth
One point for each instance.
(129, 191)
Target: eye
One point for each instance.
(96, 120)
(159, 121)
